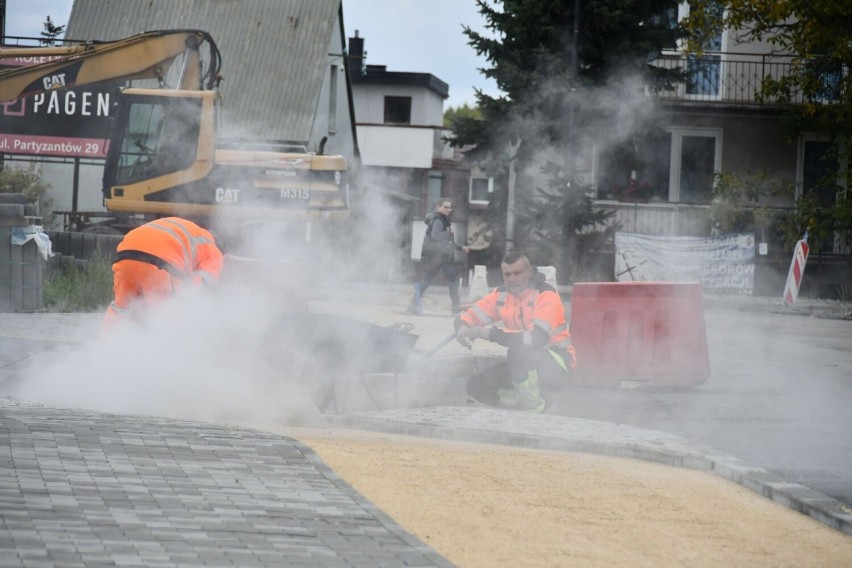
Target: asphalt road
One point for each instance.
(779, 397)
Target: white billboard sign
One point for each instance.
(723, 263)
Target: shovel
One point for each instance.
(443, 343)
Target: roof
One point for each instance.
(360, 72)
(274, 52)
(379, 75)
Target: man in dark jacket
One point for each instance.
(438, 255)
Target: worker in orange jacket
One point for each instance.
(157, 259)
(540, 357)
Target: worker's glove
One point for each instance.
(466, 334)
(463, 336)
(480, 333)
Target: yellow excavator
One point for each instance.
(163, 158)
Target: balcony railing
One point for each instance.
(736, 78)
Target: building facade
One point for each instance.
(399, 123)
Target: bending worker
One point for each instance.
(157, 259)
(540, 357)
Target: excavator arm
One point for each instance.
(148, 55)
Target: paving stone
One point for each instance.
(86, 488)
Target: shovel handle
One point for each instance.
(440, 346)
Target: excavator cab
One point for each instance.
(158, 137)
(162, 142)
(164, 159)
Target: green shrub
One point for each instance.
(25, 179)
(76, 289)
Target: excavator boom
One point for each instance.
(148, 55)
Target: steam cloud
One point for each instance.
(215, 355)
(220, 355)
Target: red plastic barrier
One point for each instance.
(639, 331)
(281, 282)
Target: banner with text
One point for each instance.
(64, 122)
(723, 264)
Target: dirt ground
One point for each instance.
(487, 506)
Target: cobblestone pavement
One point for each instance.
(80, 488)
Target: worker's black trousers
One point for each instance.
(519, 362)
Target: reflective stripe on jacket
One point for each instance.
(539, 306)
(187, 248)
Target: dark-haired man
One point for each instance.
(540, 357)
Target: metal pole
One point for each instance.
(575, 58)
(75, 188)
(570, 163)
(575, 77)
(2, 21)
(510, 205)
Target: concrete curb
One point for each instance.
(477, 424)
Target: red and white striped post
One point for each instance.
(797, 270)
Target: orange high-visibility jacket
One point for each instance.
(189, 250)
(538, 306)
(157, 258)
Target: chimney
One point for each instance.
(356, 57)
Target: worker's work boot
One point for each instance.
(529, 394)
(508, 398)
(525, 395)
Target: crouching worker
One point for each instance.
(157, 259)
(540, 357)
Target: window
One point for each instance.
(480, 190)
(826, 74)
(696, 156)
(819, 177)
(667, 20)
(159, 138)
(636, 170)
(397, 110)
(675, 165)
(818, 167)
(434, 188)
(704, 73)
(332, 99)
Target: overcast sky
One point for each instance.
(423, 36)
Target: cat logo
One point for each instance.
(53, 81)
(227, 195)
